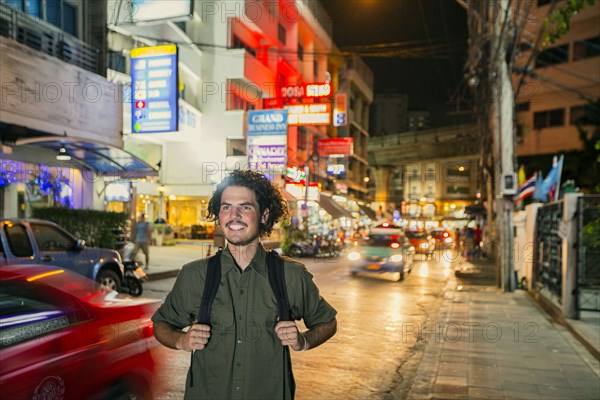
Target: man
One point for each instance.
(143, 236)
(241, 354)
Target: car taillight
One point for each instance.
(148, 330)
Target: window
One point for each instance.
(36, 317)
(316, 69)
(236, 147)
(48, 238)
(546, 119)
(34, 8)
(281, 33)
(458, 189)
(521, 107)
(18, 241)
(553, 55)
(69, 15)
(584, 114)
(235, 101)
(586, 48)
(53, 12)
(117, 61)
(238, 43)
(300, 52)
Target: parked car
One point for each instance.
(66, 336)
(422, 241)
(26, 241)
(443, 238)
(383, 250)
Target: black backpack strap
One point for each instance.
(211, 285)
(276, 273)
(277, 281)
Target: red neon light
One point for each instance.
(307, 90)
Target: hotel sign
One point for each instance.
(267, 141)
(154, 91)
(309, 114)
(307, 90)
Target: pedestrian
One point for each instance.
(240, 354)
(143, 237)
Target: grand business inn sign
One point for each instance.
(267, 141)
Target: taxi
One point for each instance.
(384, 250)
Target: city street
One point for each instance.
(376, 340)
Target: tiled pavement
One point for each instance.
(494, 345)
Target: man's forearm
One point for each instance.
(167, 335)
(320, 333)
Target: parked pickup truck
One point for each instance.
(31, 241)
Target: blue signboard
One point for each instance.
(154, 89)
(267, 122)
(267, 141)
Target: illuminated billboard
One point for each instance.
(309, 114)
(154, 89)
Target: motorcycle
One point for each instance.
(318, 247)
(134, 273)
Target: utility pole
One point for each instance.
(501, 123)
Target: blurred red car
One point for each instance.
(443, 238)
(63, 336)
(421, 240)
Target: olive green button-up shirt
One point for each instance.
(244, 357)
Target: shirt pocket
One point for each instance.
(223, 328)
(261, 326)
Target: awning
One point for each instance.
(332, 208)
(103, 159)
(368, 210)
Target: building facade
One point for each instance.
(389, 114)
(60, 118)
(556, 92)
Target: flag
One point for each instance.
(554, 189)
(522, 176)
(548, 188)
(537, 193)
(526, 189)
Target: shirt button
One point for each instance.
(239, 341)
(238, 364)
(237, 388)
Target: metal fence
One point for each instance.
(547, 255)
(42, 36)
(588, 254)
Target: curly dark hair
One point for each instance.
(267, 196)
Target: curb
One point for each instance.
(156, 276)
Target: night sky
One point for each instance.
(429, 69)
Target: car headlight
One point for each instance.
(353, 256)
(396, 258)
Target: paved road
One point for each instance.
(379, 321)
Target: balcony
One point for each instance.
(47, 39)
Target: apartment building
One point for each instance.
(555, 94)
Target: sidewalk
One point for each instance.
(487, 344)
(166, 261)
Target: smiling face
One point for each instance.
(239, 216)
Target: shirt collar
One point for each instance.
(258, 263)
